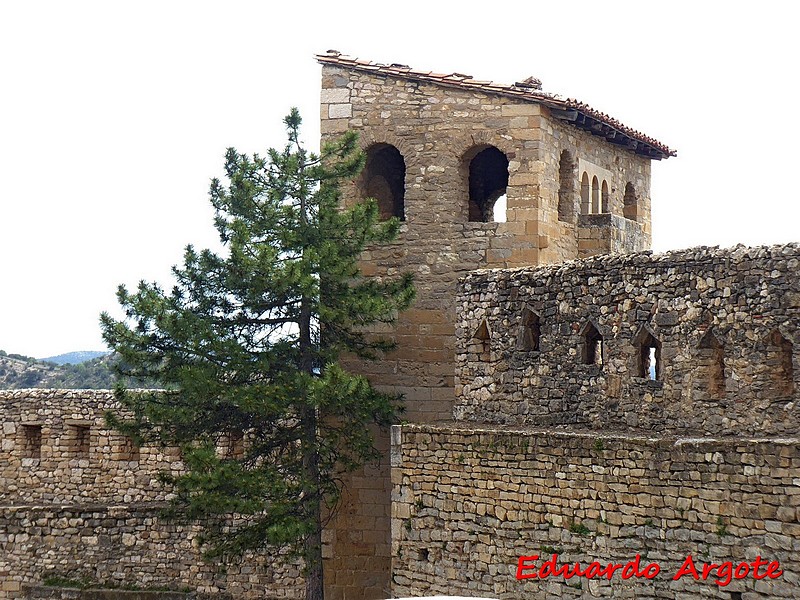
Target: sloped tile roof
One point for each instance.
(574, 112)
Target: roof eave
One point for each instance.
(575, 113)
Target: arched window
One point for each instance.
(605, 197)
(595, 196)
(566, 188)
(586, 205)
(529, 331)
(384, 178)
(488, 180)
(711, 362)
(648, 350)
(591, 345)
(630, 208)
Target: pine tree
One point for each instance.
(247, 347)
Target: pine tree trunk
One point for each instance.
(313, 551)
(312, 545)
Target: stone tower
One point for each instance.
(443, 154)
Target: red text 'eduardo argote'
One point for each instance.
(722, 574)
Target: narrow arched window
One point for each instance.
(586, 203)
(630, 208)
(529, 332)
(648, 350)
(591, 345)
(487, 169)
(605, 197)
(566, 188)
(384, 178)
(595, 196)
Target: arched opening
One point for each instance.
(780, 365)
(566, 188)
(605, 197)
(586, 205)
(648, 350)
(595, 196)
(530, 331)
(591, 345)
(488, 180)
(384, 178)
(630, 208)
(711, 362)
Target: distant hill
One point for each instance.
(74, 358)
(18, 371)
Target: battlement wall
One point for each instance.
(699, 341)
(57, 449)
(78, 499)
(469, 501)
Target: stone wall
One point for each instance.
(78, 499)
(574, 344)
(125, 545)
(469, 501)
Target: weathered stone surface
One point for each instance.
(470, 500)
(93, 509)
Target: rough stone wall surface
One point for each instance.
(125, 545)
(469, 501)
(724, 321)
(85, 502)
(109, 470)
(437, 130)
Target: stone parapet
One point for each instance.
(698, 341)
(57, 449)
(77, 499)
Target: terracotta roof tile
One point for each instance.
(572, 111)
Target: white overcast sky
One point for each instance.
(115, 115)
